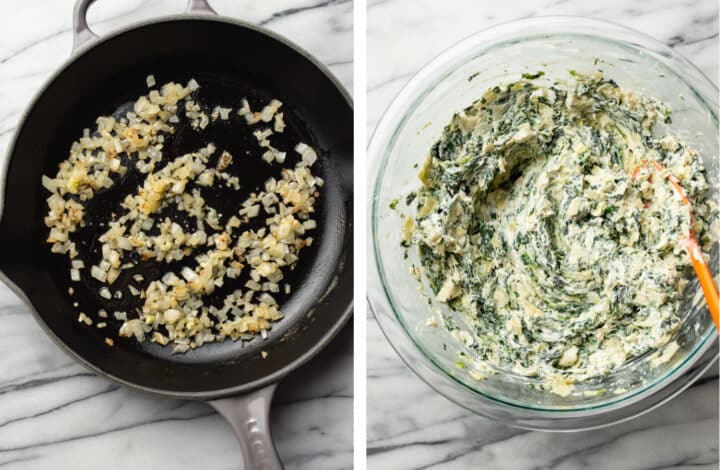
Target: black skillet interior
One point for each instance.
(229, 62)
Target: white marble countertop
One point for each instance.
(419, 429)
(53, 412)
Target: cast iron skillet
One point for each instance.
(230, 59)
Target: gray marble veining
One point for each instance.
(412, 427)
(54, 413)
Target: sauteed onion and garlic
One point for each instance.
(166, 220)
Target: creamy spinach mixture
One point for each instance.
(530, 224)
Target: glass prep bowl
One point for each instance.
(403, 138)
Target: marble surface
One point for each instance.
(55, 414)
(412, 427)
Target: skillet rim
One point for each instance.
(346, 261)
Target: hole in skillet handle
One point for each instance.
(82, 34)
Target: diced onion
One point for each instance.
(98, 273)
(223, 248)
(105, 293)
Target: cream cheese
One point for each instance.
(530, 224)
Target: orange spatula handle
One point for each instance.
(704, 276)
(690, 245)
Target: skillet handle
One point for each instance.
(199, 6)
(249, 416)
(82, 32)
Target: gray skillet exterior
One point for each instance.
(344, 313)
(323, 312)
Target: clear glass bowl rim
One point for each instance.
(405, 103)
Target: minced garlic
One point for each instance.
(173, 310)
